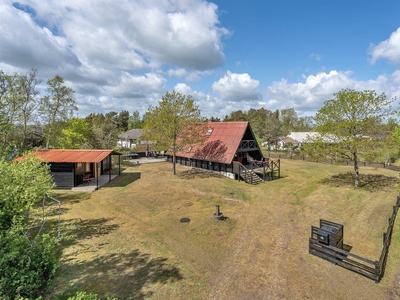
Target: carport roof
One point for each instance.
(73, 155)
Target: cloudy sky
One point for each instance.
(229, 55)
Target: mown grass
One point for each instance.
(125, 240)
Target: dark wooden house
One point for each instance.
(70, 168)
(231, 149)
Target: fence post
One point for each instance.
(377, 272)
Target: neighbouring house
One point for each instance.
(231, 149)
(294, 139)
(302, 137)
(130, 138)
(70, 167)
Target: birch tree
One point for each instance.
(350, 124)
(174, 123)
(56, 107)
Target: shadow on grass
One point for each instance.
(125, 276)
(198, 173)
(368, 182)
(70, 197)
(123, 180)
(74, 230)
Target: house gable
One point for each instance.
(224, 142)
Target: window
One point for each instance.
(209, 131)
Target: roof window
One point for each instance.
(209, 132)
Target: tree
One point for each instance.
(28, 102)
(174, 123)
(22, 184)
(8, 111)
(26, 266)
(75, 135)
(122, 121)
(350, 124)
(18, 110)
(134, 121)
(274, 128)
(104, 132)
(289, 119)
(236, 116)
(56, 107)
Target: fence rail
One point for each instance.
(298, 156)
(371, 269)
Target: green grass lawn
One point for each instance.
(125, 240)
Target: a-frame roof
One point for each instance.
(221, 144)
(72, 155)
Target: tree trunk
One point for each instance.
(174, 163)
(356, 173)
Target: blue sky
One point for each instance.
(229, 55)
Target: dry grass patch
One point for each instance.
(125, 240)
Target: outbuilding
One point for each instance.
(72, 167)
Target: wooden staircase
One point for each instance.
(249, 176)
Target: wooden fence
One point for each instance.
(299, 156)
(371, 269)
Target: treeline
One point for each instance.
(30, 119)
(270, 125)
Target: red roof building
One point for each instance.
(228, 147)
(70, 167)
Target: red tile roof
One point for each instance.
(72, 156)
(220, 145)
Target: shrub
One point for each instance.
(26, 268)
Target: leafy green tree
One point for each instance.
(174, 123)
(274, 128)
(214, 119)
(22, 184)
(18, 110)
(237, 115)
(122, 121)
(8, 111)
(350, 125)
(258, 120)
(56, 108)
(135, 121)
(26, 268)
(75, 135)
(288, 118)
(26, 265)
(28, 103)
(304, 124)
(104, 132)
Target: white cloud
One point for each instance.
(112, 54)
(136, 34)
(184, 89)
(25, 45)
(190, 76)
(389, 49)
(317, 57)
(309, 96)
(237, 87)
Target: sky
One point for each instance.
(228, 55)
